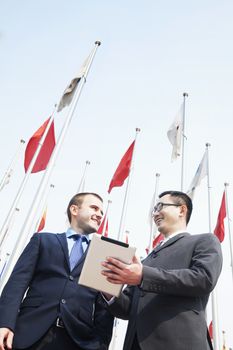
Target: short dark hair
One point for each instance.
(182, 198)
(77, 199)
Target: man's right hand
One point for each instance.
(6, 338)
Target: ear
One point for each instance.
(183, 210)
(74, 210)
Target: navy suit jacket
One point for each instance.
(43, 273)
(167, 311)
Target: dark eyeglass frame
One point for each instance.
(159, 206)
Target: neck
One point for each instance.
(76, 229)
(174, 230)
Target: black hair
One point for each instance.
(182, 198)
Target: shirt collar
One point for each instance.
(70, 232)
(172, 235)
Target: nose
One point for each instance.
(99, 214)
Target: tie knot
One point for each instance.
(77, 249)
(77, 237)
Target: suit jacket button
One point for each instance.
(71, 278)
(63, 301)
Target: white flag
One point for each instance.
(150, 217)
(199, 175)
(71, 88)
(174, 134)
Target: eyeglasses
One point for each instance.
(159, 206)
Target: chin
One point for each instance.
(94, 229)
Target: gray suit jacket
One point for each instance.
(167, 311)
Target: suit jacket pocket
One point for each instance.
(31, 302)
(86, 315)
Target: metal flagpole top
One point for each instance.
(97, 42)
(185, 94)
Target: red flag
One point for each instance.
(157, 239)
(45, 151)
(123, 169)
(103, 231)
(219, 229)
(155, 242)
(211, 330)
(42, 221)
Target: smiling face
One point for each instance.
(170, 218)
(86, 217)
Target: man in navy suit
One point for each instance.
(42, 307)
(166, 296)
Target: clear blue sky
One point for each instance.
(151, 52)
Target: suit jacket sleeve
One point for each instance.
(121, 306)
(198, 279)
(18, 283)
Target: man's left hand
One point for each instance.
(118, 272)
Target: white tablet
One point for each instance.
(100, 248)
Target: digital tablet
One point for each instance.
(100, 248)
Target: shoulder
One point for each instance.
(205, 237)
(207, 242)
(46, 236)
(202, 240)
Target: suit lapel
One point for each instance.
(172, 240)
(176, 238)
(168, 243)
(62, 240)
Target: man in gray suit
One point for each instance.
(166, 296)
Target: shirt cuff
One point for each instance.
(110, 301)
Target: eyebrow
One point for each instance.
(96, 207)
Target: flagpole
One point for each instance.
(82, 182)
(183, 137)
(224, 340)
(7, 174)
(229, 227)
(6, 178)
(106, 217)
(43, 208)
(150, 246)
(216, 337)
(208, 186)
(4, 230)
(114, 334)
(5, 263)
(27, 226)
(10, 224)
(127, 232)
(124, 208)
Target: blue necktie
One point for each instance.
(76, 251)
